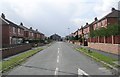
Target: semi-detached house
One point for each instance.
(109, 44)
(11, 32)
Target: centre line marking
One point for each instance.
(81, 72)
(58, 57)
(56, 71)
(57, 60)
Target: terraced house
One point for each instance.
(13, 34)
(106, 39)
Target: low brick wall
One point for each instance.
(15, 50)
(110, 48)
(77, 43)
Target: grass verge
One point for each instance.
(108, 61)
(12, 62)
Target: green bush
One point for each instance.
(110, 30)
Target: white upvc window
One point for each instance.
(14, 30)
(32, 34)
(18, 30)
(10, 40)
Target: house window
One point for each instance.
(19, 41)
(18, 30)
(10, 40)
(32, 34)
(14, 41)
(14, 30)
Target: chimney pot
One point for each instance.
(96, 19)
(86, 23)
(21, 23)
(113, 9)
(30, 27)
(36, 29)
(3, 15)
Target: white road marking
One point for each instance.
(81, 72)
(58, 57)
(56, 71)
(57, 60)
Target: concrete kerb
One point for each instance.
(116, 70)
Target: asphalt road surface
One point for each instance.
(60, 59)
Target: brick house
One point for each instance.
(11, 33)
(36, 34)
(31, 34)
(55, 37)
(111, 43)
(86, 31)
(80, 32)
(39, 35)
(26, 32)
(42, 36)
(111, 18)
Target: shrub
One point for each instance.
(110, 30)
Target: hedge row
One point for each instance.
(108, 31)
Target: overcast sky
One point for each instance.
(55, 16)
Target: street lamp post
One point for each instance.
(68, 33)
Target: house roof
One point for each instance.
(87, 25)
(55, 35)
(10, 22)
(113, 14)
(4, 20)
(25, 28)
(35, 31)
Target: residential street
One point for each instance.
(59, 59)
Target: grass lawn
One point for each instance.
(0, 65)
(99, 56)
(8, 64)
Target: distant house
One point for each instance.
(35, 34)
(86, 31)
(26, 32)
(42, 36)
(11, 33)
(39, 35)
(55, 37)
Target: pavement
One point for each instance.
(95, 50)
(60, 59)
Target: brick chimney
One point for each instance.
(86, 23)
(21, 23)
(96, 19)
(31, 28)
(3, 15)
(113, 9)
(36, 29)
